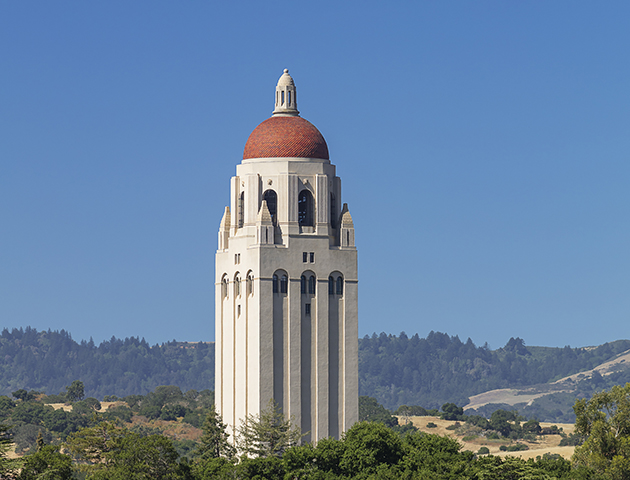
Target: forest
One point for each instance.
(396, 370)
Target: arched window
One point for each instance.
(275, 284)
(237, 286)
(331, 285)
(333, 212)
(311, 285)
(272, 203)
(339, 285)
(224, 287)
(284, 283)
(241, 210)
(302, 284)
(305, 209)
(250, 284)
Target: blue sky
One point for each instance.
(484, 150)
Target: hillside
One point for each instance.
(49, 360)
(554, 400)
(396, 370)
(399, 370)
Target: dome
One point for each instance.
(286, 136)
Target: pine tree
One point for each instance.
(214, 442)
(40, 441)
(267, 434)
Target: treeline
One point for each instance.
(396, 370)
(49, 360)
(431, 371)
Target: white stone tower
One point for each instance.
(286, 281)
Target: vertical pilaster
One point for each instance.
(321, 374)
(294, 376)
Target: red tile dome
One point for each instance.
(290, 136)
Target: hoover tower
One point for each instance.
(286, 281)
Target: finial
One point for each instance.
(286, 96)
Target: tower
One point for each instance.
(286, 281)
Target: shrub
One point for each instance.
(572, 440)
(122, 412)
(468, 438)
(493, 436)
(518, 447)
(503, 448)
(409, 411)
(483, 451)
(431, 425)
(455, 426)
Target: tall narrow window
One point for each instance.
(339, 285)
(282, 97)
(333, 212)
(250, 284)
(303, 284)
(331, 286)
(305, 209)
(275, 284)
(237, 286)
(224, 287)
(311, 285)
(289, 95)
(272, 203)
(307, 309)
(241, 210)
(284, 283)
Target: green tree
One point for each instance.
(372, 411)
(214, 442)
(47, 464)
(92, 446)
(605, 420)
(267, 434)
(24, 395)
(141, 458)
(75, 391)
(369, 444)
(450, 411)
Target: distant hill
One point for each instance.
(438, 369)
(553, 401)
(50, 360)
(394, 369)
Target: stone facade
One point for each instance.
(286, 281)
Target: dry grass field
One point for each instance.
(543, 444)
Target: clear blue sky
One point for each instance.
(484, 150)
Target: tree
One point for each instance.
(23, 395)
(267, 434)
(372, 411)
(369, 444)
(605, 419)
(450, 411)
(109, 452)
(142, 458)
(92, 446)
(214, 442)
(47, 464)
(75, 391)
